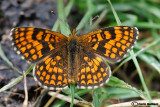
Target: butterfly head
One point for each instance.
(73, 32)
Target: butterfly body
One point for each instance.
(73, 53)
(61, 60)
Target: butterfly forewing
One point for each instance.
(36, 43)
(112, 42)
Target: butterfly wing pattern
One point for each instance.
(94, 70)
(33, 44)
(112, 42)
(52, 72)
(55, 54)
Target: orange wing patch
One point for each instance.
(35, 43)
(112, 42)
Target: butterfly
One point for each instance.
(61, 60)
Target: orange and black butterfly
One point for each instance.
(61, 60)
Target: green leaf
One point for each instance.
(121, 93)
(150, 60)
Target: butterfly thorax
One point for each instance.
(72, 58)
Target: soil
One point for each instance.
(18, 13)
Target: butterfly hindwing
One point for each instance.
(93, 72)
(112, 42)
(36, 43)
(52, 71)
